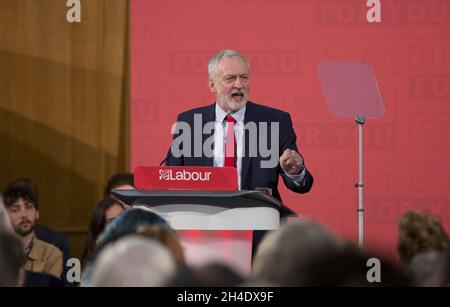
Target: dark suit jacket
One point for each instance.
(35, 279)
(252, 175)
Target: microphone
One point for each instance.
(165, 159)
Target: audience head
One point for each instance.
(349, 267)
(209, 275)
(286, 252)
(21, 202)
(120, 181)
(21, 188)
(418, 233)
(105, 212)
(12, 259)
(5, 223)
(430, 269)
(128, 223)
(166, 237)
(305, 254)
(133, 261)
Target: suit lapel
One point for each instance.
(208, 116)
(250, 116)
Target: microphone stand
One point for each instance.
(360, 120)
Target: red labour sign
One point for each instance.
(185, 178)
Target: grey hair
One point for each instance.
(133, 261)
(215, 60)
(5, 223)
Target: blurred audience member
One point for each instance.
(105, 212)
(34, 279)
(430, 269)
(120, 181)
(126, 223)
(12, 259)
(133, 261)
(166, 237)
(305, 254)
(209, 275)
(418, 233)
(5, 223)
(286, 252)
(348, 268)
(20, 199)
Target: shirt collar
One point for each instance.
(29, 247)
(36, 249)
(238, 116)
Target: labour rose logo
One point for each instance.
(164, 174)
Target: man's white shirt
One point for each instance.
(219, 142)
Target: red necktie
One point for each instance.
(230, 160)
(230, 142)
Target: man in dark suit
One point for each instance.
(237, 132)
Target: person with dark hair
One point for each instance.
(42, 232)
(56, 238)
(418, 233)
(105, 212)
(128, 223)
(120, 181)
(21, 188)
(12, 259)
(21, 202)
